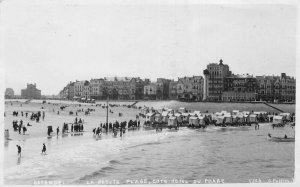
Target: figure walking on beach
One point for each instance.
(24, 130)
(20, 127)
(19, 150)
(57, 131)
(44, 149)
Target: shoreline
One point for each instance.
(141, 100)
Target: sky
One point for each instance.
(51, 44)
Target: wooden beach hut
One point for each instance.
(179, 117)
(172, 122)
(220, 120)
(253, 119)
(185, 117)
(150, 117)
(193, 121)
(182, 110)
(158, 118)
(235, 112)
(278, 121)
(165, 116)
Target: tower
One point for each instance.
(205, 85)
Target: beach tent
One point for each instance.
(269, 117)
(150, 117)
(235, 119)
(220, 120)
(165, 116)
(172, 121)
(158, 118)
(185, 117)
(278, 120)
(182, 110)
(286, 116)
(201, 120)
(235, 112)
(228, 119)
(179, 117)
(145, 110)
(194, 121)
(198, 113)
(253, 118)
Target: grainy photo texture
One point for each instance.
(148, 92)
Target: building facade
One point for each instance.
(78, 89)
(9, 93)
(31, 92)
(239, 88)
(162, 92)
(216, 75)
(190, 88)
(173, 90)
(150, 91)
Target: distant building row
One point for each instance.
(30, 92)
(218, 84)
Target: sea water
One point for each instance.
(212, 155)
(231, 154)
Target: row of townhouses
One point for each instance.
(217, 84)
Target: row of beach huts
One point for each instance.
(197, 119)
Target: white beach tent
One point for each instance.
(194, 121)
(246, 113)
(253, 118)
(158, 117)
(145, 110)
(198, 113)
(179, 117)
(182, 110)
(150, 117)
(172, 121)
(220, 120)
(227, 118)
(201, 120)
(278, 120)
(165, 116)
(286, 115)
(235, 112)
(185, 117)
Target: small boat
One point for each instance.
(280, 139)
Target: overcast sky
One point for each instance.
(52, 44)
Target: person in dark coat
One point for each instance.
(19, 150)
(44, 149)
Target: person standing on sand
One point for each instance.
(57, 131)
(44, 149)
(24, 130)
(20, 126)
(72, 127)
(19, 150)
